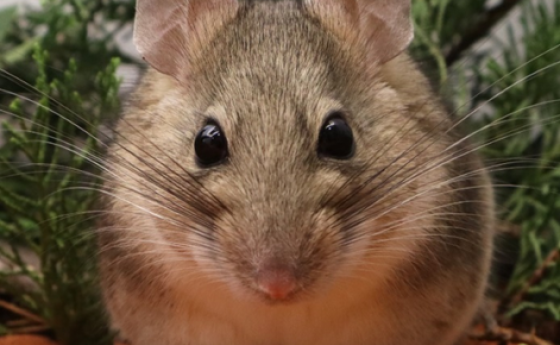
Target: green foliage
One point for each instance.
(516, 104)
(439, 24)
(67, 29)
(14, 53)
(37, 173)
(523, 126)
(49, 163)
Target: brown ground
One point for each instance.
(37, 340)
(28, 340)
(25, 340)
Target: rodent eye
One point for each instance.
(336, 139)
(210, 145)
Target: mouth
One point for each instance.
(279, 300)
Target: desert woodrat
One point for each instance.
(284, 175)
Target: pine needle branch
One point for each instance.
(502, 334)
(480, 29)
(536, 277)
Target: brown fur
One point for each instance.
(391, 247)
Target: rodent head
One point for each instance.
(281, 151)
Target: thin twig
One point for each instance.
(24, 313)
(535, 278)
(487, 316)
(19, 323)
(510, 229)
(30, 329)
(480, 29)
(510, 335)
(493, 332)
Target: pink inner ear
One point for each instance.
(169, 33)
(167, 55)
(384, 40)
(158, 33)
(385, 26)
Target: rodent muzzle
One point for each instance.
(276, 282)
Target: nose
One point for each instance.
(276, 282)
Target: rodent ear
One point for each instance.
(384, 27)
(169, 33)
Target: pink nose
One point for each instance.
(276, 282)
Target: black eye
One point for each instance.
(336, 139)
(210, 145)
